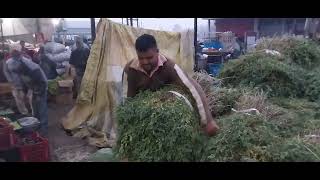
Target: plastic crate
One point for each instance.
(37, 152)
(215, 59)
(8, 138)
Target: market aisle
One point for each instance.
(63, 147)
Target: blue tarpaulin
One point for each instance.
(213, 44)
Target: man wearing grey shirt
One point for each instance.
(24, 73)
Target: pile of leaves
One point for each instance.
(220, 99)
(265, 72)
(299, 117)
(158, 126)
(313, 85)
(280, 88)
(304, 53)
(267, 136)
(257, 99)
(257, 138)
(206, 81)
(241, 137)
(283, 76)
(278, 43)
(295, 149)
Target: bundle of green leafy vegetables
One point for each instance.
(158, 126)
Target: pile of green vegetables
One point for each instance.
(293, 74)
(257, 138)
(266, 72)
(283, 89)
(158, 127)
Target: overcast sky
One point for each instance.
(167, 24)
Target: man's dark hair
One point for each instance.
(22, 42)
(145, 42)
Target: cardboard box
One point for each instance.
(65, 86)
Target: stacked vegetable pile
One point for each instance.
(266, 72)
(279, 87)
(293, 74)
(267, 107)
(158, 127)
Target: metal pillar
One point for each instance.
(38, 25)
(2, 38)
(131, 21)
(293, 30)
(195, 42)
(209, 26)
(256, 27)
(93, 29)
(283, 25)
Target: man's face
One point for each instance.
(78, 43)
(22, 44)
(149, 59)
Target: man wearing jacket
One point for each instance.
(23, 72)
(152, 71)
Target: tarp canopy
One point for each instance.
(23, 28)
(102, 90)
(13, 26)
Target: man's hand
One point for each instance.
(211, 128)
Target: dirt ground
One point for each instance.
(65, 148)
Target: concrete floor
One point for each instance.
(65, 148)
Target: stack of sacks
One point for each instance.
(59, 54)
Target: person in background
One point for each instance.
(78, 61)
(237, 49)
(26, 52)
(24, 72)
(23, 46)
(2, 61)
(152, 71)
(48, 66)
(20, 92)
(85, 41)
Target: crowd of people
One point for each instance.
(25, 71)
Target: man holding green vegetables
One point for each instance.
(152, 71)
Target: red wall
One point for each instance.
(237, 25)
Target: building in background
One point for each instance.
(66, 30)
(262, 27)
